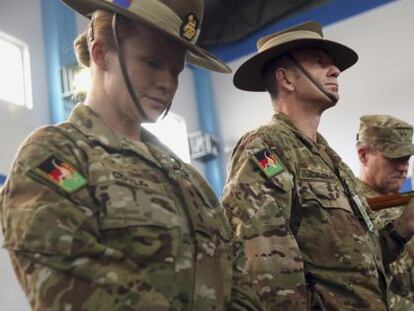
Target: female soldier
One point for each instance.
(97, 214)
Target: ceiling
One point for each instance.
(228, 21)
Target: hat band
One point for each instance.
(289, 36)
(378, 140)
(157, 13)
(401, 135)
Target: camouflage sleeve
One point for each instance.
(242, 296)
(391, 251)
(259, 209)
(54, 243)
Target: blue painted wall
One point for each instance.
(214, 168)
(59, 29)
(407, 185)
(329, 13)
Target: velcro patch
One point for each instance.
(59, 173)
(316, 174)
(268, 162)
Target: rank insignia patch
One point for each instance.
(268, 163)
(60, 174)
(189, 27)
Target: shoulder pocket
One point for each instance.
(283, 181)
(272, 168)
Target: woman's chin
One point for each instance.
(153, 116)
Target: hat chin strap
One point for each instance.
(331, 98)
(124, 73)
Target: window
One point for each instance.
(172, 132)
(15, 82)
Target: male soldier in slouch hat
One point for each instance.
(309, 240)
(385, 146)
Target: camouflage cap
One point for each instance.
(391, 136)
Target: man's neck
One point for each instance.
(367, 189)
(304, 116)
(368, 179)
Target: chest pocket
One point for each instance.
(139, 221)
(325, 193)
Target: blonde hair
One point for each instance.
(100, 27)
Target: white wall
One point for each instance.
(185, 105)
(17, 122)
(21, 19)
(380, 83)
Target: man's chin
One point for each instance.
(334, 98)
(395, 187)
(329, 103)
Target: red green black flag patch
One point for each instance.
(268, 163)
(60, 173)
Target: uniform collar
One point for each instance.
(92, 126)
(284, 119)
(321, 142)
(367, 190)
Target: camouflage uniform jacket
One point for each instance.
(306, 245)
(401, 271)
(94, 221)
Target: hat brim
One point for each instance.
(394, 151)
(249, 76)
(195, 55)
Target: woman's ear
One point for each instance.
(98, 54)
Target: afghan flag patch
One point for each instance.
(60, 174)
(268, 163)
